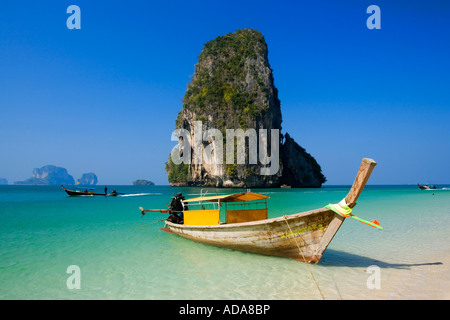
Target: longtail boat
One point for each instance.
(426, 187)
(89, 192)
(303, 236)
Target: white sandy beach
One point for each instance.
(427, 282)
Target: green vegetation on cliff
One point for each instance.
(226, 83)
(177, 173)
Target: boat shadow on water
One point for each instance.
(337, 258)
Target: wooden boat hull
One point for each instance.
(303, 236)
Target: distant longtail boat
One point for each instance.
(89, 192)
(426, 187)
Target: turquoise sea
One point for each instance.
(121, 255)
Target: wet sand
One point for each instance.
(426, 282)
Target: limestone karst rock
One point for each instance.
(88, 179)
(49, 175)
(233, 88)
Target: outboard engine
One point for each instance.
(176, 209)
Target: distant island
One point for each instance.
(88, 179)
(50, 175)
(142, 182)
(3, 181)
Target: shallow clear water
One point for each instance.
(122, 255)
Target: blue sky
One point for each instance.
(104, 98)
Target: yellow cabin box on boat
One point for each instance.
(211, 216)
(201, 217)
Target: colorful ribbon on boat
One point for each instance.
(345, 211)
(341, 208)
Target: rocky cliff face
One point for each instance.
(233, 88)
(300, 169)
(49, 175)
(89, 179)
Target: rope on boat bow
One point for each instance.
(303, 256)
(345, 211)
